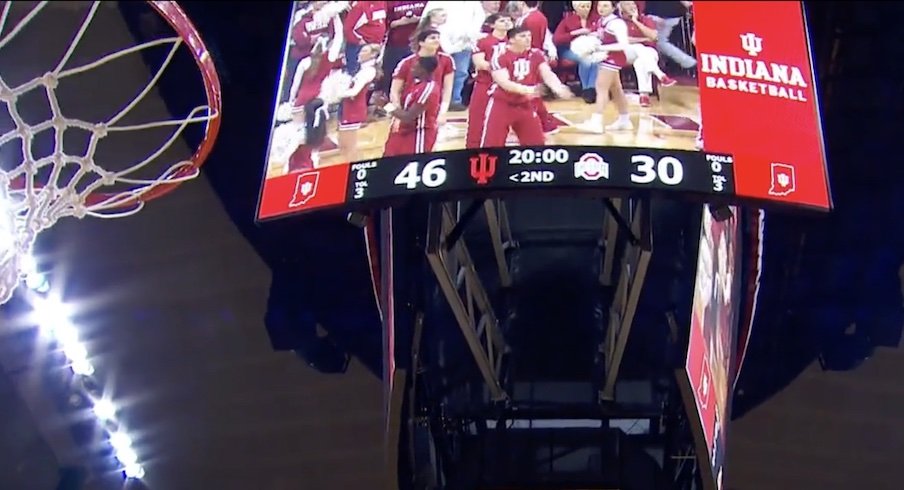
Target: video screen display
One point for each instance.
(712, 342)
(383, 100)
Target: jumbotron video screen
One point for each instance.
(379, 101)
(711, 351)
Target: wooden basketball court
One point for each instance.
(671, 122)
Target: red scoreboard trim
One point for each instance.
(758, 99)
(303, 191)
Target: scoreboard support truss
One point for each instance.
(629, 242)
(462, 287)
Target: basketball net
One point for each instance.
(30, 204)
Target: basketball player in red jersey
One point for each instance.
(427, 43)
(613, 32)
(538, 25)
(354, 101)
(642, 35)
(414, 126)
(517, 74)
(487, 48)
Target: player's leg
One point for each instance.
(528, 127)
(428, 139)
(399, 144)
(349, 123)
(644, 73)
(494, 134)
(604, 81)
(476, 114)
(550, 126)
(623, 120)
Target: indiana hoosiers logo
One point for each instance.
(751, 43)
(521, 69)
(483, 168)
(591, 167)
(305, 188)
(783, 182)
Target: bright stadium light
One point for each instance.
(52, 313)
(82, 367)
(104, 409)
(134, 471)
(37, 282)
(120, 440)
(127, 456)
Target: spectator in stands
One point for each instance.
(491, 7)
(668, 15)
(458, 35)
(365, 23)
(574, 24)
(402, 19)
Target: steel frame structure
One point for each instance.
(432, 240)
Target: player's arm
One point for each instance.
(335, 49)
(553, 82)
(408, 115)
(501, 78)
(395, 91)
(361, 80)
(479, 59)
(620, 31)
(648, 33)
(303, 65)
(448, 79)
(416, 109)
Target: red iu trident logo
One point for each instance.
(305, 188)
(483, 168)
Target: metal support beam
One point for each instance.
(611, 225)
(632, 273)
(500, 236)
(471, 308)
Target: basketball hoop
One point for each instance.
(37, 190)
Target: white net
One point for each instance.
(44, 180)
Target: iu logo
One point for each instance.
(305, 188)
(483, 168)
(751, 43)
(783, 182)
(520, 69)
(703, 390)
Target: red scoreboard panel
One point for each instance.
(744, 129)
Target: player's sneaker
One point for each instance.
(620, 124)
(667, 81)
(644, 100)
(592, 125)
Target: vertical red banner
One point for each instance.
(758, 99)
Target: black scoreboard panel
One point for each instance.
(541, 168)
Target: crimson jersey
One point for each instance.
(634, 31)
(445, 66)
(610, 30)
(522, 68)
(427, 94)
(312, 80)
(306, 31)
(490, 47)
